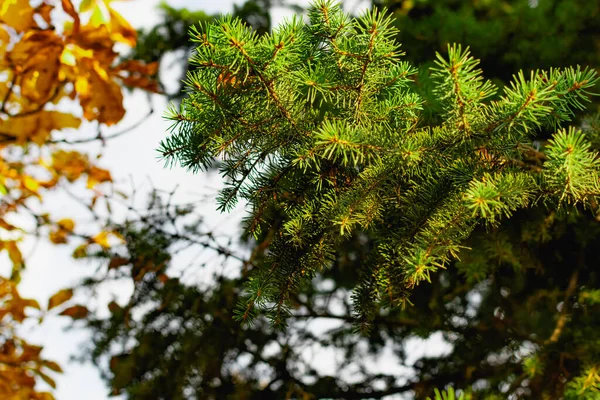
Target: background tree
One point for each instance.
(514, 309)
(46, 71)
(506, 36)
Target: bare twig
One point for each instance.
(103, 138)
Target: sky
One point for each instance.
(130, 158)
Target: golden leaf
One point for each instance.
(36, 58)
(68, 58)
(80, 251)
(17, 14)
(97, 39)
(67, 224)
(99, 16)
(98, 175)
(59, 298)
(6, 226)
(63, 229)
(14, 253)
(31, 352)
(31, 303)
(31, 183)
(16, 305)
(103, 101)
(37, 127)
(58, 236)
(102, 239)
(46, 379)
(70, 164)
(76, 312)
(4, 39)
(120, 29)
(44, 66)
(53, 366)
(86, 5)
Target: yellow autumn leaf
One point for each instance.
(99, 16)
(58, 236)
(17, 14)
(53, 366)
(68, 58)
(46, 379)
(70, 164)
(38, 127)
(120, 30)
(99, 95)
(6, 226)
(4, 39)
(86, 5)
(98, 175)
(37, 59)
(59, 298)
(31, 303)
(14, 253)
(80, 251)
(97, 39)
(67, 224)
(31, 352)
(61, 232)
(31, 183)
(82, 86)
(102, 239)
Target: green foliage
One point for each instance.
(448, 395)
(507, 35)
(586, 385)
(571, 166)
(319, 121)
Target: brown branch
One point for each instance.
(564, 313)
(103, 138)
(39, 107)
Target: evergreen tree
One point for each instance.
(507, 36)
(354, 179)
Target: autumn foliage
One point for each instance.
(53, 76)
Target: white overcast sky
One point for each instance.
(132, 157)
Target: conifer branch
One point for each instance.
(345, 150)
